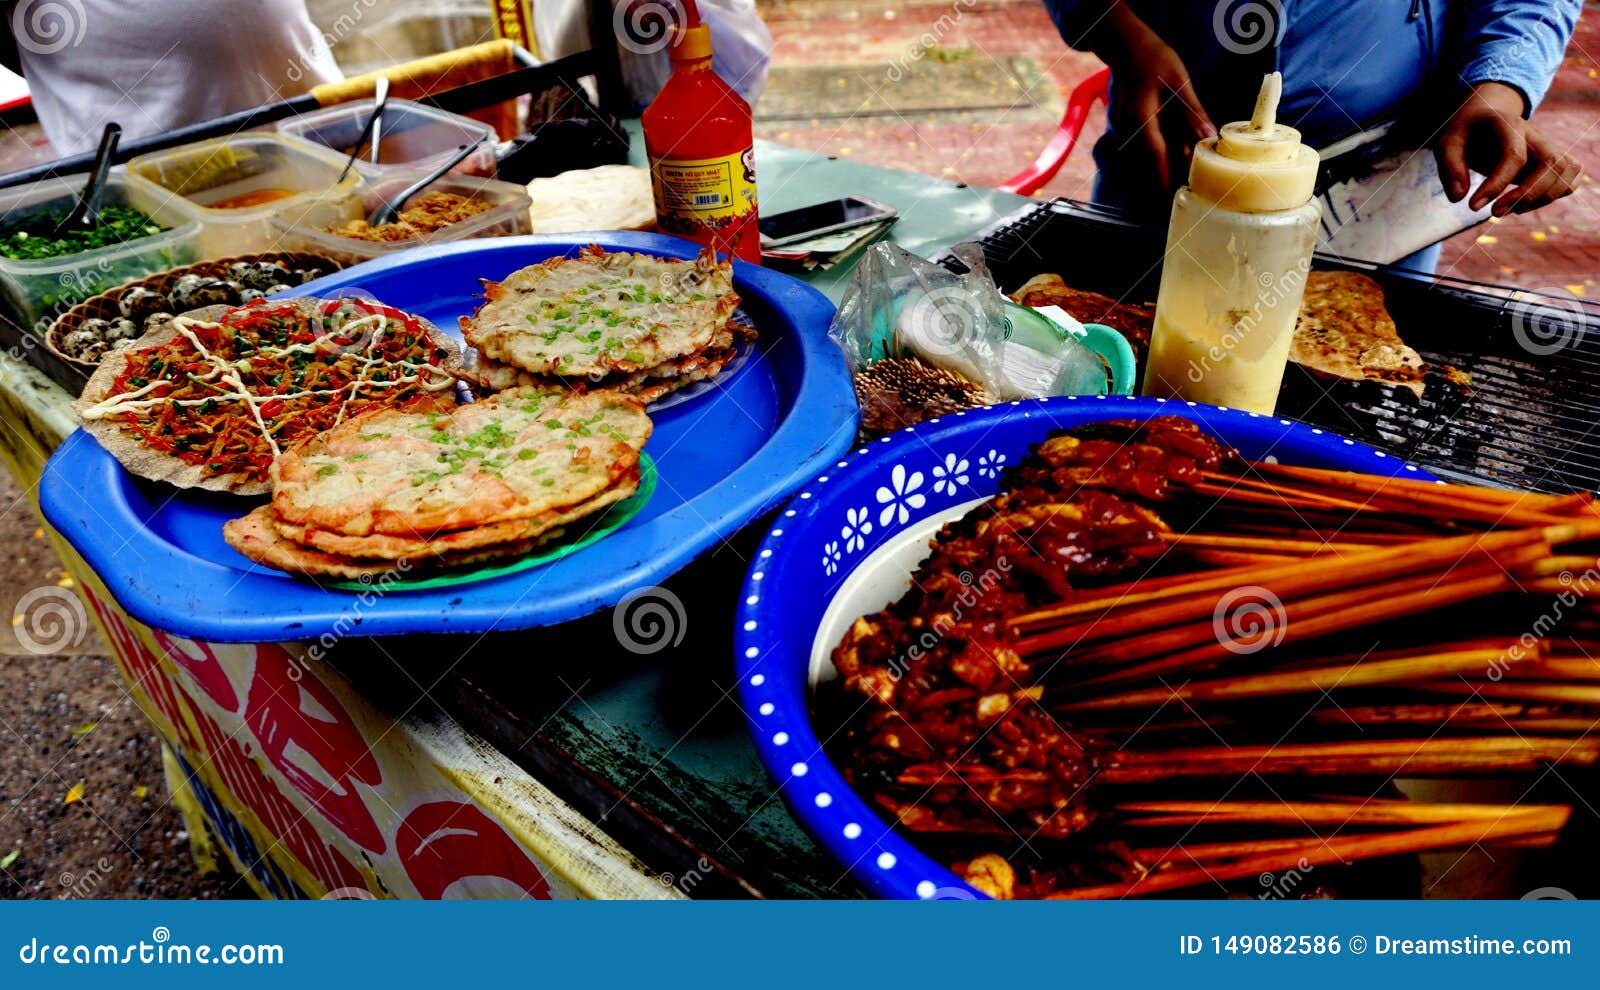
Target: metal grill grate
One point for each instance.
(1529, 418)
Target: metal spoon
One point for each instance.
(85, 214)
(387, 211)
(372, 129)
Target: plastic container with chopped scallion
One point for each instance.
(38, 237)
(43, 272)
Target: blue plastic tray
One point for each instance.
(838, 522)
(723, 458)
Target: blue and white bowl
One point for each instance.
(846, 546)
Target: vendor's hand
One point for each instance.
(1523, 169)
(1153, 97)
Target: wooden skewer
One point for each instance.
(1554, 669)
(1278, 545)
(1341, 850)
(1310, 813)
(1297, 594)
(1203, 852)
(1420, 757)
(1215, 479)
(1234, 558)
(1198, 643)
(1273, 497)
(1365, 673)
(1321, 573)
(1426, 492)
(1495, 715)
(1526, 690)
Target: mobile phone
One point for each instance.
(822, 218)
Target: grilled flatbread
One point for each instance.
(1345, 332)
(389, 547)
(210, 400)
(512, 456)
(602, 313)
(257, 536)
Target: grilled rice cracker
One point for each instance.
(602, 313)
(1132, 320)
(1345, 332)
(511, 456)
(147, 462)
(390, 547)
(257, 537)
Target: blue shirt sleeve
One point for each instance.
(1517, 42)
(1062, 11)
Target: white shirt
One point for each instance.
(152, 65)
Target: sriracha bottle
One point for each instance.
(702, 164)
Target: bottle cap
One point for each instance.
(1256, 165)
(691, 43)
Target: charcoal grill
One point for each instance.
(1527, 418)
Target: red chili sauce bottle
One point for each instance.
(702, 162)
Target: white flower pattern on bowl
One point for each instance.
(948, 475)
(857, 526)
(900, 497)
(830, 558)
(989, 464)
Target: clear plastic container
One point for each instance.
(415, 137)
(307, 230)
(38, 290)
(212, 172)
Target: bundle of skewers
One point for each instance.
(1148, 665)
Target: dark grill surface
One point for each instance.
(1528, 417)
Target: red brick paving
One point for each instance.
(1555, 247)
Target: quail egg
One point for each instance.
(121, 329)
(138, 302)
(187, 295)
(257, 274)
(78, 341)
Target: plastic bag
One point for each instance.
(741, 45)
(900, 305)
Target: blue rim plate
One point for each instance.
(723, 457)
(863, 525)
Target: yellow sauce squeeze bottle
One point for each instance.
(1238, 250)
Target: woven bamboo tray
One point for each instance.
(105, 305)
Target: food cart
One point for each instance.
(608, 755)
